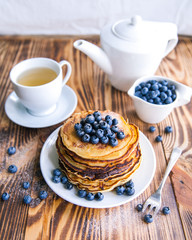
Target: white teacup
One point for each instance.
(40, 100)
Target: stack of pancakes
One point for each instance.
(98, 167)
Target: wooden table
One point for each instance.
(55, 218)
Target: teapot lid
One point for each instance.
(129, 29)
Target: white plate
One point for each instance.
(141, 179)
(18, 113)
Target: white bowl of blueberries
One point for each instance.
(154, 97)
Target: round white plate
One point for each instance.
(18, 113)
(141, 179)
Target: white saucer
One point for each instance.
(142, 178)
(18, 113)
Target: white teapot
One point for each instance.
(130, 49)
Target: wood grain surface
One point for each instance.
(55, 218)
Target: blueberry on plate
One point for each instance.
(86, 138)
(81, 193)
(103, 125)
(82, 122)
(166, 210)
(26, 185)
(109, 121)
(78, 126)
(120, 135)
(90, 118)
(96, 114)
(114, 121)
(27, 199)
(98, 118)
(152, 129)
(43, 194)
(130, 184)
(108, 117)
(148, 218)
(11, 150)
(113, 142)
(115, 129)
(94, 139)
(99, 196)
(168, 129)
(68, 185)
(56, 172)
(120, 190)
(95, 125)
(12, 169)
(80, 133)
(90, 196)
(5, 196)
(129, 191)
(104, 139)
(64, 179)
(100, 133)
(158, 138)
(56, 179)
(112, 135)
(107, 132)
(87, 128)
(139, 207)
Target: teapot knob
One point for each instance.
(136, 20)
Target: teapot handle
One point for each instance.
(170, 46)
(185, 94)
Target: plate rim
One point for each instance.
(89, 202)
(69, 89)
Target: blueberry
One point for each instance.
(90, 119)
(108, 117)
(164, 82)
(82, 122)
(86, 138)
(144, 90)
(95, 125)
(93, 132)
(152, 129)
(56, 179)
(172, 87)
(43, 194)
(148, 85)
(168, 100)
(148, 218)
(27, 199)
(169, 93)
(26, 185)
(94, 139)
(113, 142)
(98, 118)
(150, 100)
(142, 84)
(112, 135)
(104, 139)
(109, 122)
(130, 184)
(5, 196)
(96, 114)
(12, 169)
(166, 210)
(81, 193)
(163, 96)
(115, 129)
(64, 179)
(144, 98)
(138, 88)
(68, 185)
(129, 191)
(120, 135)
(174, 96)
(90, 196)
(160, 85)
(153, 94)
(154, 87)
(78, 126)
(152, 82)
(157, 92)
(80, 133)
(120, 190)
(99, 196)
(107, 132)
(11, 150)
(138, 94)
(168, 129)
(114, 121)
(158, 138)
(100, 133)
(87, 128)
(163, 89)
(103, 125)
(157, 100)
(56, 172)
(139, 207)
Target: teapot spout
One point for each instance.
(95, 53)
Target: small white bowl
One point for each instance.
(153, 113)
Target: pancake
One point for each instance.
(98, 167)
